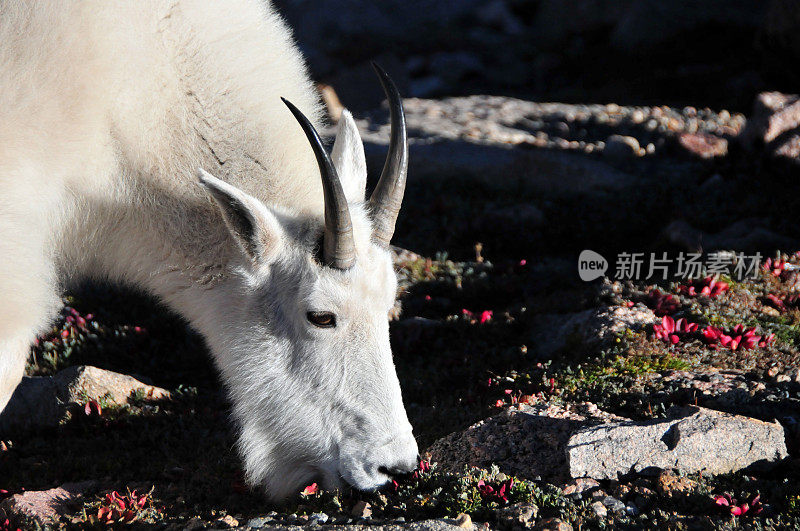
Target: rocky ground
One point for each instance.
(542, 400)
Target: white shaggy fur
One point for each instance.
(107, 109)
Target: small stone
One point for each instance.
(362, 509)
(553, 524)
(621, 147)
(598, 494)
(613, 504)
(599, 509)
(517, 515)
(580, 485)
(226, 521)
(773, 114)
(463, 520)
(320, 518)
(703, 145)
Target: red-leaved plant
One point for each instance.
(117, 508)
(736, 338)
(5, 525)
(498, 493)
(729, 504)
(311, 489)
(708, 286)
(776, 268)
(661, 303)
(670, 331)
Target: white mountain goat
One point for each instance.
(107, 109)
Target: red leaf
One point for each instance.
(309, 490)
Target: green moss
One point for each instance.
(613, 368)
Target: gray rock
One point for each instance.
(525, 441)
(701, 440)
(46, 401)
(773, 114)
(34, 509)
(620, 147)
(588, 328)
(320, 518)
(775, 125)
(599, 509)
(703, 145)
(519, 515)
(260, 522)
(613, 504)
(226, 522)
(489, 139)
(579, 486)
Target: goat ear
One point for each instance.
(254, 226)
(348, 157)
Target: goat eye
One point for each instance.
(322, 319)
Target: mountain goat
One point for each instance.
(108, 108)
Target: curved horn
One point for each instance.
(387, 197)
(338, 249)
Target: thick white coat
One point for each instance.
(107, 109)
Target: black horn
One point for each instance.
(338, 249)
(387, 197)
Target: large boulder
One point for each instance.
(700, 440)
(35, 509)
(496, 140)
(526, 441)
(775, 126)
(555, 443)
(589, 328)
(46, 401)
